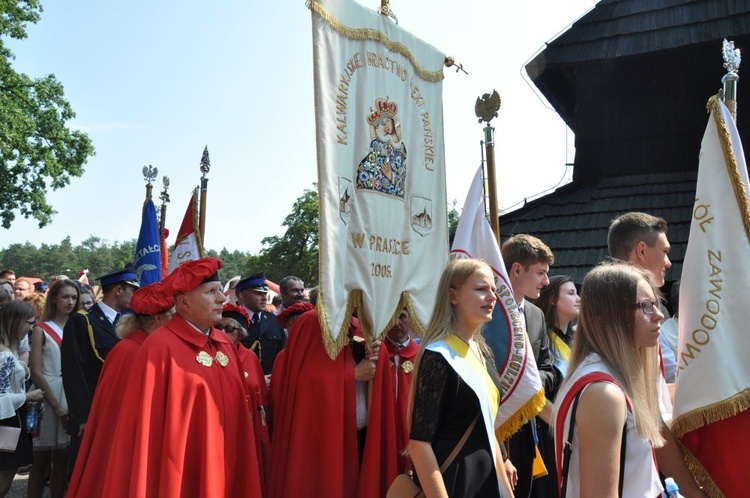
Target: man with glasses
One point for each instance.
(641, 239)
(87, 339)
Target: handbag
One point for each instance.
(404, 487)
(9, 437)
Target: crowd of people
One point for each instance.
(189, 388)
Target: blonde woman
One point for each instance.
(610, 389)
(46, 339)
(456, 391)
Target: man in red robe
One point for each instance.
(151, 309)
(402, 352)
(185, 429)
(316, 441)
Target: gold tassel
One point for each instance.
(710, 414)
(375, 35)
(523, 415)
(700, 474)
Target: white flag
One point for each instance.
(187, 246)
(522, 393)
(383, 236)
(711, 416)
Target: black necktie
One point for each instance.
(117, 319)
(256, 320)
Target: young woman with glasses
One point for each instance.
(609, 393)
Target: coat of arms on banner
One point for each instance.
(378, 94)
(421, 215)
(345, 199)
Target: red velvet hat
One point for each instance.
(189, 275)
(239, 313)
(151, 300)
(295, 309)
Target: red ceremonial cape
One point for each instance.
(314, 451)
(96, 444)
(256, 386)
(184, 429)
(402, 376)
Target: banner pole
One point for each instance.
(205, 168)
(486, 109)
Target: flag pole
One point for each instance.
(486, 108)
(164, 196)
(205, 167)
(732, 65)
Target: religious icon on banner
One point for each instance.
(384, 168)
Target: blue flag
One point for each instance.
(148, 249)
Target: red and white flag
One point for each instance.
(188, 245)
(711, 416)
(522, 393)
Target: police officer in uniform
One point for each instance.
(87, 339)
(265, 336)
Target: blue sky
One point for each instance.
(154, 82)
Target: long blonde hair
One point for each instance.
(444, 316)
(606, 326)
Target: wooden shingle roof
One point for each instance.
(574, 220)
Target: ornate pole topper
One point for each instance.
(149, 174)
(205, 168)
(164, 196)
(486, 109)
(732, 60)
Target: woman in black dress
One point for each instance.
(456, 384)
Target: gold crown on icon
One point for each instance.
(383, 108)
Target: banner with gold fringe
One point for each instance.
(711, 416)
(522, 394)
(381, 171)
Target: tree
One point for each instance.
(295, 252)
(37, 150)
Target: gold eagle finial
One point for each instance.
(487, 106)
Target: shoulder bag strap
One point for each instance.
(568, 449)
(448, 461)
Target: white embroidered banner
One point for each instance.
(383, 232)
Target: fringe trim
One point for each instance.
(523, 415)
(354, 301)
(375, 35)
(709, 414)
(700, 474)
(731, 161)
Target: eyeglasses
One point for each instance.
(31, 322)
(648, 306)
(228, 328)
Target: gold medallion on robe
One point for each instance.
(408, 366)
(204, 359)
(222, 359)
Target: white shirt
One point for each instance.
(640, 479)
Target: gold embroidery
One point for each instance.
(204, 359)
(222, 359)
(408, 366)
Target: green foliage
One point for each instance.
(234, 262)
(37, 150)
(295, 252)
(99, 257)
